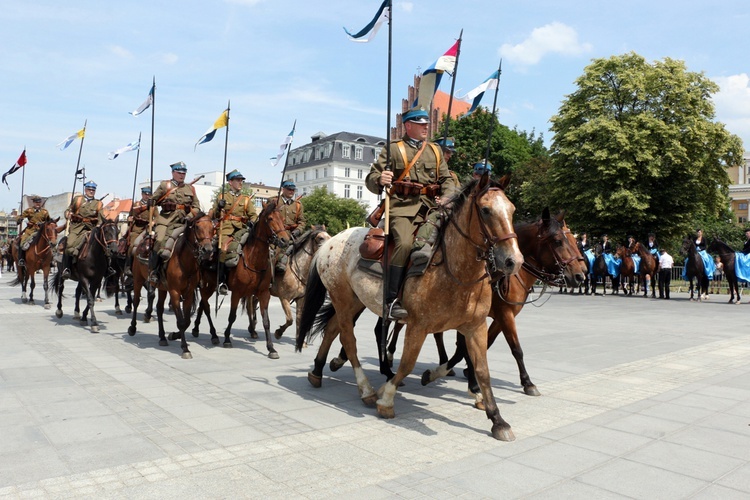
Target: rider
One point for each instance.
(419, 178)
(179, 204)
(480, 168)
(293, 214)
(237, 214)
(137, 221)
(84, 213)
(746, 247)
(700, 245)
(36, 216)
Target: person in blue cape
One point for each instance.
(708, 261)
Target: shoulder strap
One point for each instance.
(169, 190)
(78, 203)
(299, 208)
(437, 152)
(231, 209)
(408, 165)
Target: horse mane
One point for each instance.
(459, 199)
(720, 246)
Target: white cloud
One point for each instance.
(554, 38)
(121, 52)
(733, 104)
(405, 6)
(167, 58)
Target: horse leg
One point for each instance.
(442, 371)
(118, 311)
(183, 315)
(60, 286)
(90, 289)
(232, 316)
(160, 317)
(385, 366)
(179, 315)
(197, 320)
(346, 329)
(340, 360)
(331, 332)
(442, 353)
(287, 314)
(23, 278)
(205, 307)
(77, 308)
(129, 305)
(252, 305)
(150, 296)
(32, 285)
(386, 394)
(135, 301)
(264, 298)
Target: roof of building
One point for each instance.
(440, 101)
(320, 137)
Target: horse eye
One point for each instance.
(486, 212)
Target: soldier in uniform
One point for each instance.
(294, 220)
(236, 213)
(137, 222)
(36, 215)
(178, 203)
(480, 168)
(84, 213)
(419, 178)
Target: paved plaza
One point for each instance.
(640, 398)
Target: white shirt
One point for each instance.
(666, 261)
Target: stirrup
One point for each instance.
(396, 310)
(153, 278)
(223, 289)
(21, 263)
(65, 274)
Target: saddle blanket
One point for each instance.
(613, 264)
(742, 266)
(637, 262)
(708, 265)
(590, 256)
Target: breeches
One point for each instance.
(402, 233)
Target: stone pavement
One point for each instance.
(640, 398)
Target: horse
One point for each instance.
(627, 269)
(252, 276)
(585, 286)
(600, 270)
(728, 259)
(111, 283)
(476, 239)
(92, 266)
(38, 256)
(695, 269)
(648, 268)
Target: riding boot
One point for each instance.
(154, 263)
(395, 277)
(223, 289)
(128, 267)
(21, 258)
(65, 266)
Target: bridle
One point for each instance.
(101, 238)
(273, 238)
(50, 243)
(197, 244)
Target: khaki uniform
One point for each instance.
(84, 214)
(140, 221)
(35, 216)
(178, 203)
(238, 211)
(293, 214)
(407, 211)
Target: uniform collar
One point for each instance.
(87, 198)
(178, 184)
(235, 193)
(412, 142)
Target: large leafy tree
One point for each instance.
(324, 208)
(636, 149)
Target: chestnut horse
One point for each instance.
(627, 269)
(38, 256)
(476, 239)
(648, 268)
(252, 276)
(728, 258)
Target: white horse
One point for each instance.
(454, 292)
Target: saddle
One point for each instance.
(371, 255)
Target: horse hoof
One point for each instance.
(426, 377)
(503, 433)
(277, 334)
(58, 313)
(215, 340)
(227, 345)
(336, 364)
(450, 373)
(84, 322)
(273, 355)
(253, 335)
(163, 343)
(175, 336)
(31, 302)
(76, 315)
(314, 380)
(479, 405)
(386, 411)
(118, 311)
(370, 400)
(128, 309)
(187, 355)
(531, 390)
(47, 306)
(94, 328)
(195, 333)
(131, 331)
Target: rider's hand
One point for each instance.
(386, 177)
(221, 203)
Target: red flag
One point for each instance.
(20, 163)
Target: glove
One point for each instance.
(250, 226)
(296, 233)
(221, 203)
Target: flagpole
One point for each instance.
(492, 121)
(286, 162)
(135, 175)
(387, 207)
(151, 175)
(23, 180)
(75, 177)
(453, 86)
(218, 216)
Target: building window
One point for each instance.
(358, 153)
(347, 172)
(325, 172)
(359, 192)
(346, 151)
(743, 206)
(316, 173)
(359, 173)
(296, 179)
(304, 175)
(742, 220)
(347, 191)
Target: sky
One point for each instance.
(277, 61)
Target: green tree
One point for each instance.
(636, 149)
(324, 208)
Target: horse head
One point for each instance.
(575, 266)
(493, 224)
(109, 237)
(201, 236)
(318, 236)
(688, 246)
(270, 226)
(49, 231)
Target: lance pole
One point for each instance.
(151, 206)
(386, 191)
(135, 174)
(492, 118)
(286, 162)
(23, 182)
(453, 87)
(75, 177)
(220, 214)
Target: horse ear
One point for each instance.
(56, 220)
(504, 181)
(545, 215)
(264, 204)
(561, 217)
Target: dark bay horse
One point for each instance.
(92, 266)
(695, 269)
(649, 268)
(600, 270)
(252, 276)
(476, 239)
(627, 269)
(728, 258)
(38, 256)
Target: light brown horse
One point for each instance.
(647, 269)
(252, 276)
(181, 279)
(476, 239)
(627, 269)
(38, 256)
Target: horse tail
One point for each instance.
(17, 280)
(315, 295)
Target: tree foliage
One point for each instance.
(636, 149)
(324, 208)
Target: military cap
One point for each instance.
(36, 198)
(288, 185)
(449, 144)
(416, 115)
(90, 184)
(146, 190)
(235, 174)
(481, 167)
(179, 166)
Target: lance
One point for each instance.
(151, 207)
(75, 177)
(387, 207)
(492, 120)
(23, 180)
(286, 162)
(221, 197)
(135, 178)
(453, 86)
